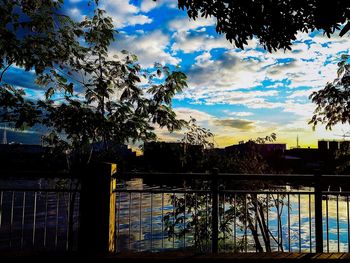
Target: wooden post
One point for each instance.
(97, 209)
(215, 212)
(318, 215)
(112, 210)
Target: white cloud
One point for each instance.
(222, 128)
(304, 110)
(192, 42)
(124, 13)
(149, 5)
(301, 93)
(149, 48)
(186, 113)
(222, 81)
(215, 80)
(76, 14)
(185, 24)
(238, 113)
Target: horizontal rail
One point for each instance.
(165, 191)
(35, 174)
(38, 190)
(231, 176)
(169, 191)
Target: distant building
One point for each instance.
(121, 150)
(264, 149)
(22, 157)
(303, 160)
(172, 156)
(332, 145)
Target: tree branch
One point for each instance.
(5, 69)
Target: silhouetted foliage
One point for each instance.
(332, 102)
(196, 135)
(35, 34)
(192, 212)
(274, 22)
(90, 95)
(244, 159)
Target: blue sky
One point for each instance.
(237, 94)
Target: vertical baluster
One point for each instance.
(348, 221)
(151, 221)
(34, 217)
(214, 212)
(184, 222)
(338, 240)
(11, 218)
(256, 218)
(223, 220)
(278, 223)
(68, 221)
(174, 197)
(299, 219)
(310, 233)
(118, 221)
(318, 214)
(245, 222)
(140, 231)
(130, 204)
(23, 216)
(267, 210)
(57, 216)
(288, 203)
(45, 219)
(206, 219)
(162, 220)
(196, 217)
(327, 225)
(1, 200)
(235, 222)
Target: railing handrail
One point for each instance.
(194, 191)
(39, 190)
(233, 176)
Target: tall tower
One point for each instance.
(297, 141)
(4, 138)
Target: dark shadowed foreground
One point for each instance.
(178, 257)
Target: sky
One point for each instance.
(237, 94)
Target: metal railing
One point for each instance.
(220, 219)
(37, 219)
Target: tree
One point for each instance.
(94, 98)
(35, 34)
(196, 135)
(333, 101)
(275, 23)
(192, 213)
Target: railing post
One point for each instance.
(318, 214)
(215, 212)
(97, 209)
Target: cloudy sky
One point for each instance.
(237, 94)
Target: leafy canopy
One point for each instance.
(35, 34)
(92, 96)
(333, 101)
(274, 22)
